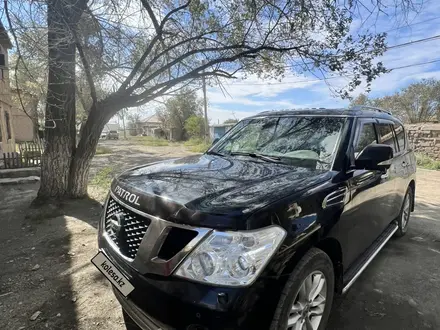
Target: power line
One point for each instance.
(416, 64)
(405, 44)
(412, 24)
(409, 43)
(330, 78)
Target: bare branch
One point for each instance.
(20, 58)
(87, 69)
(152, 17)
(250, 50)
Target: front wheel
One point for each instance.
(307, 297)
(405, 213)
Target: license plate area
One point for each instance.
(113, 274)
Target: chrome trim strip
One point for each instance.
(329, 200)
(133, 209)
(349, 284)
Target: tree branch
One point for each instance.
(146, 96)
(8, 17)
(248, 52)
(87, 69)
(167, 50)
(159, 32)
(152, 16)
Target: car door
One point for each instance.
(363, 217)
(404, 163)
(391, 192)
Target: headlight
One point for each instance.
(232, 258)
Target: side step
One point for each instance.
(364, 260)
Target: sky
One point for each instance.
(246, 98)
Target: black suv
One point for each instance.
(285, 210)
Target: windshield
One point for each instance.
(300, 141)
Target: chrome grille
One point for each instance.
(129, 235)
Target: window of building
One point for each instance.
(2, 60)
(8, 125)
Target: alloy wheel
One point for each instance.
(309, 303)
(406, 211)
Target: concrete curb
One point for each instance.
(12, 181)
(19, 172)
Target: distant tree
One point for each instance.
(419, 102)
(230, 121)
(177, 110)
(195, 126)
(361, 99)
(133, 123)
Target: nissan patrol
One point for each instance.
(261, 231)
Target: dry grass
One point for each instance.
(197, 145)
(149, 141)
(101, 150)
(424, 161)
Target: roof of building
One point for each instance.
(222, 125)
(4, 37)
(153, 119)
(357, 111)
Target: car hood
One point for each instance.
(187, 189)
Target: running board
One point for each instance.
(364, 260)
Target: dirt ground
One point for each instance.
(46, 267)
(126, 154)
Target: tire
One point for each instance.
(315, 262)
(405, 213)
(129, 323)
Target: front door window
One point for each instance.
(367, 136)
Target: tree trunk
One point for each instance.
(79, 171)
(60, 107)
(60, 132)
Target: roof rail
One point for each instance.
(367, 107)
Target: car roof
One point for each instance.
(356, 111)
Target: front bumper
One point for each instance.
(160, 302)
(143, 320)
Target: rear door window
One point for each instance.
(386, 136)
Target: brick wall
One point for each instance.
(425, 138)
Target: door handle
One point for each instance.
(385, 175)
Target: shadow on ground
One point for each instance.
(46, 270)
(31, 279)
(400, 288)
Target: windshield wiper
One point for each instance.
(272, 159)
(312, 159)
(214, 153)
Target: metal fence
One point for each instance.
(29, 155)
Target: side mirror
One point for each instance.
(374, 157)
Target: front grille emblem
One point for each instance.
(117, 224)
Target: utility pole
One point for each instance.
(123, 123)
(205, 105)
